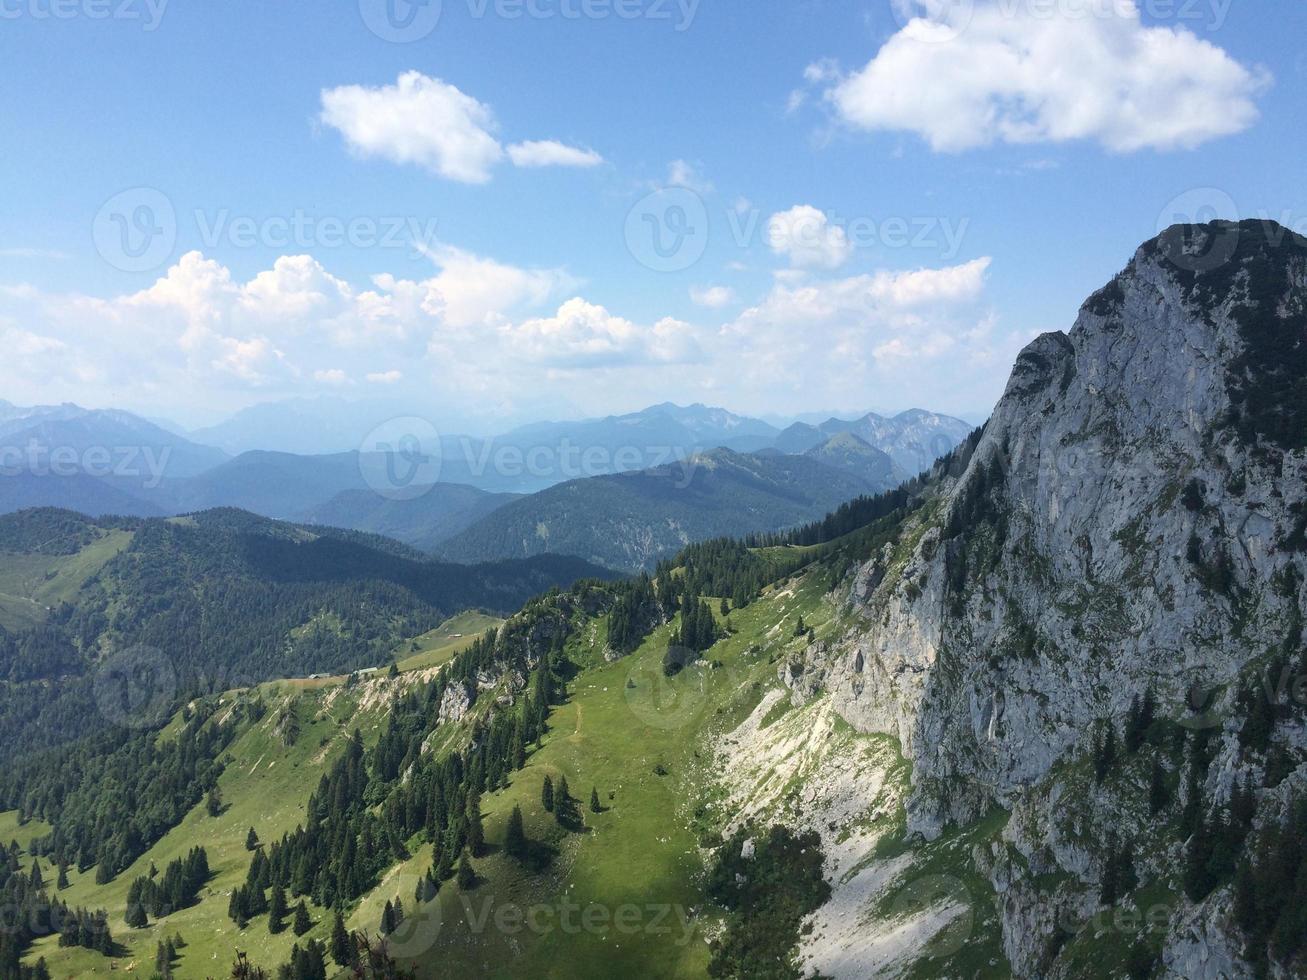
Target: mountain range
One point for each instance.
(103, 462)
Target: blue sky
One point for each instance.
(881, 211)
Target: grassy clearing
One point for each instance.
(30, 585)
(445, 642)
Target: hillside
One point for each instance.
(853, 454)
(1034, 714)
(423, 522)
(630, 521)
(214, 599)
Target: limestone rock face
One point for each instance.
(456, 701)
(1124, 523)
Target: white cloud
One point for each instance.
(418, 120)
(807, 237)
(1025, 73)
(333, 377)
(385, 377)
(470, 290)
(712, 297)
(550, 153)
(583, 334)
(681, 173)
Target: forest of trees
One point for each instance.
(27, 913)
(110, 797)
(371, 802)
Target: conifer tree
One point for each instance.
(251, 841)
(466, 876)
(594, 801)
(515, 836)
(547, 795)
(388, 922)
(341, 945)
(1158, 795)
(302, 922)
(476, 834)
(277, 909)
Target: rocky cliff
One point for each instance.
(1125, 538)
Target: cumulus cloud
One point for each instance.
(921, 334)
(471, 290)
(332, 377)
(550, 153)
(712, 297)
(385, 377)
(429, 123)
(585, 334)
(806, 236)
(418, 120)
(1029, 73)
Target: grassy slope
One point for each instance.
(31, 583)
(445, 642)
(639, 856)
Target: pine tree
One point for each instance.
(1158, 795)
(213, 802)
(564, 795)
(251, 841)
(594, 801)
(388, 922)
(302, 921)
(476, 834)
(62, 882)
(547, 795)
(341, 946)
(135, 915)
(466, 876)
(515, 836)
(277, 910)
(1105, 753)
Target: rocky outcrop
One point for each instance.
(1124, 524)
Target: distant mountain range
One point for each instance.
(101, 462)
(913, 439)
(631, 520)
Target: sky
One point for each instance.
(493, 211)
